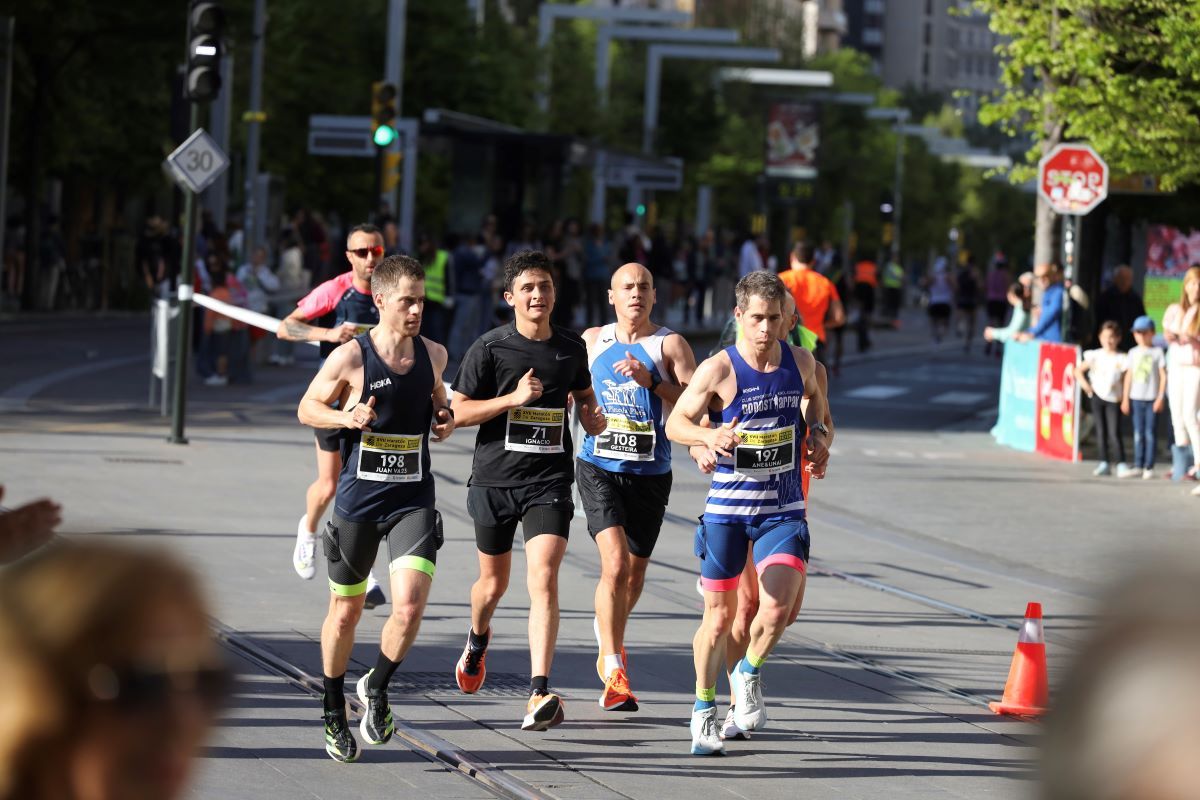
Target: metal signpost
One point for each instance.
(1073, 179)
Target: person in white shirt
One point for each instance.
(1145, 388)
(1101, 375)
(749, 259)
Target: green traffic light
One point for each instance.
(385, 135)
(641, 209)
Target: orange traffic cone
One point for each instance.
(1026, 691)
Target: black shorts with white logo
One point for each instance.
(540, 508)
(636, 503)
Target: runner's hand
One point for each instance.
(24, 529)
(724, 439)
(706, 460)
(360, 415)
(528, 389)
(630, 367)
(443, 424)
(816, 452)
(592, 419)
(342, 333)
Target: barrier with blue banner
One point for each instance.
(1016, 426)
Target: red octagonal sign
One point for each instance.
(1073, 179)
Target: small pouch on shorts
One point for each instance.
(333, 549)
(699, 544)
(439, 535)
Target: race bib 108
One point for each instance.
(626, 440)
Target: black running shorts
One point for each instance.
(329, 439)
(414, 536)
(636, 503)
(539, 507)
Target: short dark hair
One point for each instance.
(365, 227)
(524, 261)
(1111, 325)
(804, 253)
(388, 273)
(759, 283)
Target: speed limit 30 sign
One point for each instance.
(197, 162)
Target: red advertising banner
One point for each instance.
(1058, 402)
(1170, 251)
(793, 136)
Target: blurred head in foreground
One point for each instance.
(109, 674)
(1126, 724)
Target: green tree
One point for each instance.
(1122, 75)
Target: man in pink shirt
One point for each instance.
(347, 299)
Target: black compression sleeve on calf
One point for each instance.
(381, 676)
(335, 693)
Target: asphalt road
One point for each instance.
(928, 541)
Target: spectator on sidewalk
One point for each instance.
(1048, 324)
(1101, 375)
(750, 257)
(226, 343)
(470, 295)
(1018, 299)
(1181, 328)
(1120, 303)
(439, 288)
(997, 297)
(294, 281)
(1145, 388)
(110, 676)
(260, 284)
(597, 269)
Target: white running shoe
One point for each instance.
(1126, 471)
(1147, 474)
(1102, 469)
(730, 730)
(705, 740)
(750, 713)
(304, 557)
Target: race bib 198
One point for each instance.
(535, 430)
(626, 440)
(766, 452)
(392, 458)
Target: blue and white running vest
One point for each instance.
(762, 480)
(634, 442)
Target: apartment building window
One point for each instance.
(925, 65)
(929, 8)
(873, 7)
(928, 35)
(872, 37)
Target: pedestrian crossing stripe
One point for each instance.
(877, 392)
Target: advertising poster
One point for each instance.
(793, 136)
(1057, 402)
(1169, 253)
(1017, 421)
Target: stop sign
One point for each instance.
(1073, 179)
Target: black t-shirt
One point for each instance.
(531, 444)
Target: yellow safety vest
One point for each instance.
(893, 276)
(435, 277)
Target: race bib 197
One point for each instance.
(535, 430)
(392, 458)
(766, 452)
(626, 440)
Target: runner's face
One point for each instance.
(760, 322)
(401, 308)
(532, 295)
(363, 267)
(632, 294)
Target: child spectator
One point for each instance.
(1145, 386)
(1018, 298)
(1100, 373)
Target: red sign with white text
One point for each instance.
(1073, 179)
(1058, 402)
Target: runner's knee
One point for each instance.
(345, 613)
(406, 615)
(491, 588)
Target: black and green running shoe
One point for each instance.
(376, 726)
(339, 741)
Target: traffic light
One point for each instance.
(383, 113)
(205, 31)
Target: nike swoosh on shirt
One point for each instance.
(561, 357)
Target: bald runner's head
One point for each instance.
(631, 272)
(631, 292)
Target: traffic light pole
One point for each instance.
(183, 328)
(253, 129)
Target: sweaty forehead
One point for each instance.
(363, 239)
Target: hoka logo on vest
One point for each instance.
(380, 383)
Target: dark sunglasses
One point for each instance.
(137, 689)
(363, 252)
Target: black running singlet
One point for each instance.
(386, 468)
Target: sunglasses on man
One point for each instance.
(363, 252)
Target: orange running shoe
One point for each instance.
(542, 712)
(471, 669)
(616, 695)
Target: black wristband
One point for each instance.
(448, 410)
(655, 381)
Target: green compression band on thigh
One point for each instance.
(353, 590)
(414, 562)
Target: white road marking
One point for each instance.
(876, 392)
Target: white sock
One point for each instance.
(612, 662)
(371, 582)
(302, 530)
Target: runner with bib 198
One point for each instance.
(514, 383)
(752, 392)
(384, 390)
(638, 368)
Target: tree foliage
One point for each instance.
(1123, 75)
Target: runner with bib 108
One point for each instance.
(752, 392)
